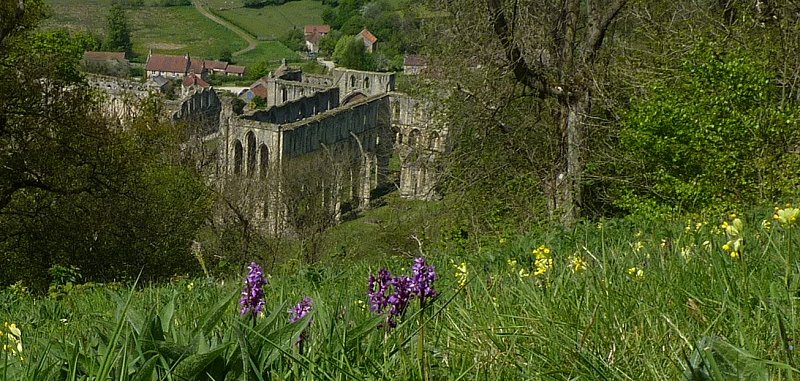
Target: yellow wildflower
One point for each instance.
(735, 255)
(512, 263)
(636, 273)
(190, 286)
(14, 337)
(766, 225)
(462, 274)
(523, 273)
(639, 245)
(577, 264)
(543, 266)
(787, 216)
(544, 261)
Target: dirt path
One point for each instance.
(251, 42)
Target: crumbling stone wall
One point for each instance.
(419, 139)
(297, 109)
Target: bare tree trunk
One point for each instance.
(566, 194)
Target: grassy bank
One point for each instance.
(619, 300)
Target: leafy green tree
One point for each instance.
(226, 55)
(75, 188)
(294, 39)
(327, 44)
(535, 68)
(351, 53)
(119, 34)
(715, 135)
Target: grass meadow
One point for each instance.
(270, 22)
(178, 30)
(704, 299)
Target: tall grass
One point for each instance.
(652, 301)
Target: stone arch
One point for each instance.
(397, 112)
(433, 141)
(284, 94)
(398, 135)
(366, 82)
(263, 160)
(250, 138)
(352, 81)
(413, 137)
(238, 155)
(354, 97)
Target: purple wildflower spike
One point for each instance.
(298, 312)
(422, 280)
(378, 286)
(403, 292)
(253, 300)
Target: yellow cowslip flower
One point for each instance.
(734, 229)
(512, 263)
(638, 246)
(462, 273)
(686, 252)
(502, 241)
(787, 216)
(735, 255)
(544, 261)
(577, 264)
(706, 245)
(523, 273)
(14, 337)
(543, 266)
(190, 286)
(766, 225)
(636, 273)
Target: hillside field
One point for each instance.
(705, 299)
(269, 23)
(181, 30)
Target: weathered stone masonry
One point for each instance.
(354, 118)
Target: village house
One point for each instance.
(414, 64)
(193, 82)
(313, 33)
(369, 39)
(172, 66)
(180, 66)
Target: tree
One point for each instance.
(226, 55)
(545, 54)
(714, 136)
(119, 35)
(351, 53)
(75, 189)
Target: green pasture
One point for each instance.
(167, 30)
(270, 22)
(713, 298)
(271, 51)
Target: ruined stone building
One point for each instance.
(325, 142)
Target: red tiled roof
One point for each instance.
(314, 29)
(197, 66)
(168, 64)
(103, 56)
(259, 90)
(216, 65)
(414, 60)
(313, 38)
(367, 36)
(235, 69)
(193, 79)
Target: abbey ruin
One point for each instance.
(337, 138)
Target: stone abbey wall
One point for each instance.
(299, 108)
(351, 121)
